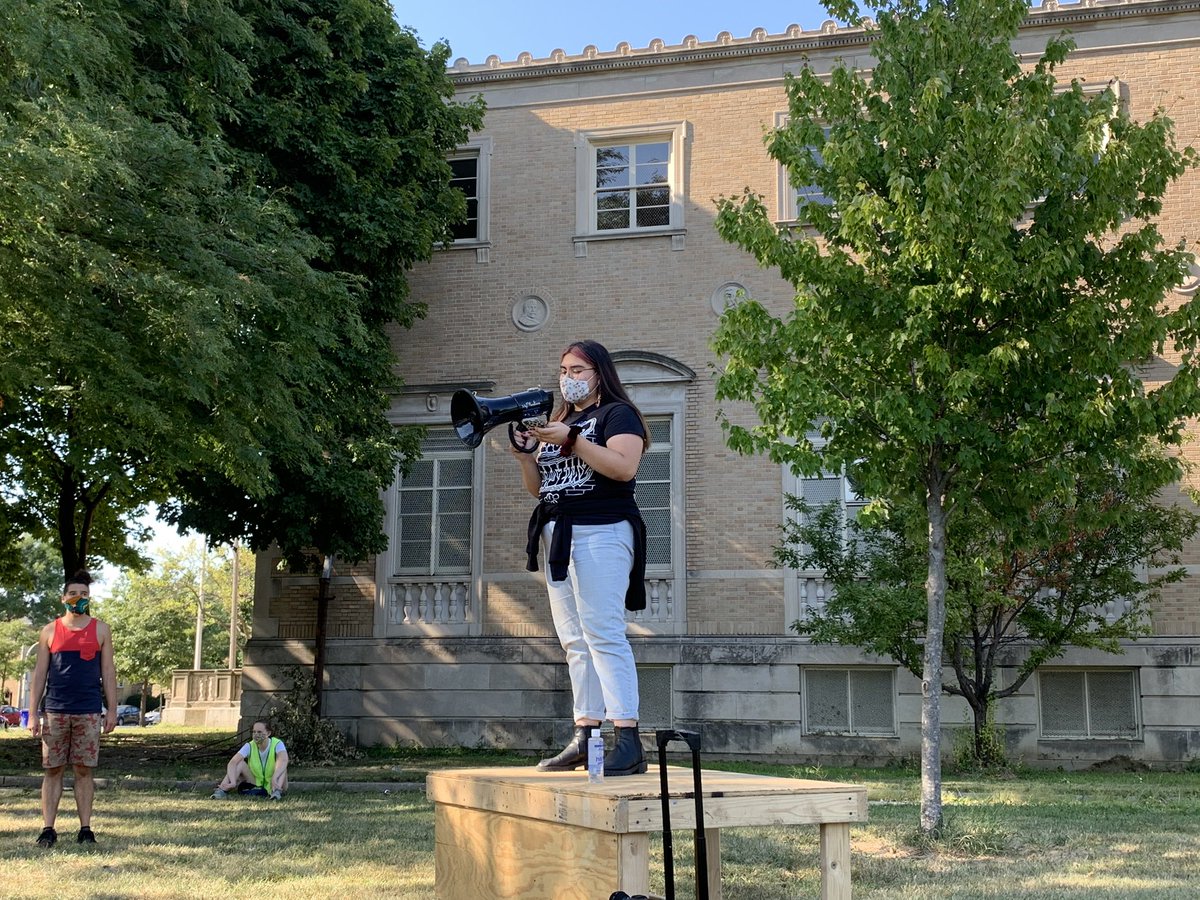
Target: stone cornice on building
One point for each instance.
(830, 36)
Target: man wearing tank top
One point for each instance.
(74, 696)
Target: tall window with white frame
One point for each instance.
(806, 591)
(654, 495)
(633, 187)
(828, 488)
(630, 182)
(794, 197)
(470, 168)
(655, 501)
(432, 535)
(465, 178)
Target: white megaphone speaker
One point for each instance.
(473, 416)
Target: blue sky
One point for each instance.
(477, 29)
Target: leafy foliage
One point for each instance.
(982, 748)
(181, 315)
(349, 122)
(1069, 577)
(946, 346)
(311, 739)
(153, 616)
(32, 588)
(16, 637)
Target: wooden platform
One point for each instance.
(518, 833)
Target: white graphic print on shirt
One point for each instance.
(567, 476)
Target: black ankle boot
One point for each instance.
(572, 756)
(626, 757)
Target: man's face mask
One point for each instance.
(76, 602)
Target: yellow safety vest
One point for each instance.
(262, 777)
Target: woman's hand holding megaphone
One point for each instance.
(524, 442)
(557, 433)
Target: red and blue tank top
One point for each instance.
(73, 679)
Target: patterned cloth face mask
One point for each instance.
(79, 605)
(573, 389)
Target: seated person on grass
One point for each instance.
(258, 769)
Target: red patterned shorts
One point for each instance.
(69, 738)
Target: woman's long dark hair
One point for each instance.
(610, 382)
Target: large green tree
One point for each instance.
(153, 614)
(983, 277)
(179, 316)
(146, 294)
(1083, 571)
(349, 119)
(32, 589)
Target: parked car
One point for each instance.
(152, 717)
(127, 714)
(10, 716)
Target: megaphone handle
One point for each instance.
(512, 438)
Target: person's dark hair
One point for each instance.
(81, 576)
(611, 388)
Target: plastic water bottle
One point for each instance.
(595, 750)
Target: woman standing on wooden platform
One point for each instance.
(581, 467)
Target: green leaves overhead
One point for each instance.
(984, 276)
(206, 213)
(1083, 572)
(976, 289)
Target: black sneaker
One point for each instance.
(47, 838)
(85, 836)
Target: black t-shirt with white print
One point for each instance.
(569, 478)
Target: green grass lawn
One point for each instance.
(1028, 836)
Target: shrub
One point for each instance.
(316, 741)
(987, 754)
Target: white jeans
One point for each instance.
(589, 615)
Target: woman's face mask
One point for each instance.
(573, 389)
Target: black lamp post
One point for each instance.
(323, 599)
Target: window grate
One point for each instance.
(654, 697)
(633, 186)
(1099, 703)
(653, 492)
(850, 701)
(465, 178)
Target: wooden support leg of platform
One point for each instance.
(712, 840)
(835, 861)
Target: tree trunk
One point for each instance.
(66, 526)
(931, 676)
(980, 709)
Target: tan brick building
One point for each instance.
(446, 639)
